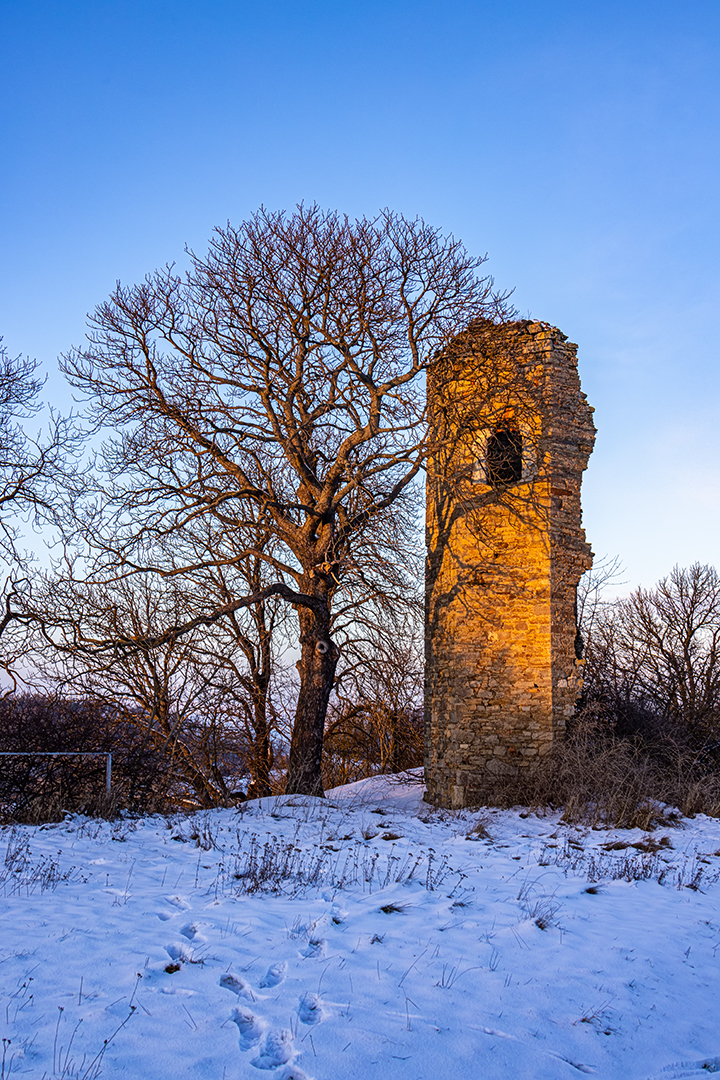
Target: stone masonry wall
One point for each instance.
(502, 674)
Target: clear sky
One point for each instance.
(574, 141)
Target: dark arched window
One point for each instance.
(504, 457)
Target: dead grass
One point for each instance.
(280, 866)
(478, 830)
(631, 863)
(22, 873)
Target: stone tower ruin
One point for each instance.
(512, 436)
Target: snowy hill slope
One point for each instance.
(362, 935)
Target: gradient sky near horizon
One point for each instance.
(575, 142)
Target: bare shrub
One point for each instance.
(35, 789)
(370, 737)
(652, 691)
(655, 655)
(601, 778)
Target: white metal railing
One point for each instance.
(67, 753)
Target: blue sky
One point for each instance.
(574, 142)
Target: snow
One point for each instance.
(398, 943)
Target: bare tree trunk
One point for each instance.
(396, 736)
(261, 752)
(316, 668)
(261, 672)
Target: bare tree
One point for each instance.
(282, 376)
(31, 474)
(591, 605)
(659, 650)
(241, 656)
(375, 720)
(162, 690)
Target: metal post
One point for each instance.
(108, 773)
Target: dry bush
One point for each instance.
(38, 788)
(367, 738)
(633, 781)
(657, 651)
(151, 772)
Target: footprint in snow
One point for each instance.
(310, 1010)
(275, 974)
(277, 1049)
(237, 985)
(315, 948)
(177, 902)
(338, 914)
(248, 1027)
(682, 1069)
(292, 1073)
(192, 933)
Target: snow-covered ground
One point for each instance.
(397, 944)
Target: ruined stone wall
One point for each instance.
(504, 560)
